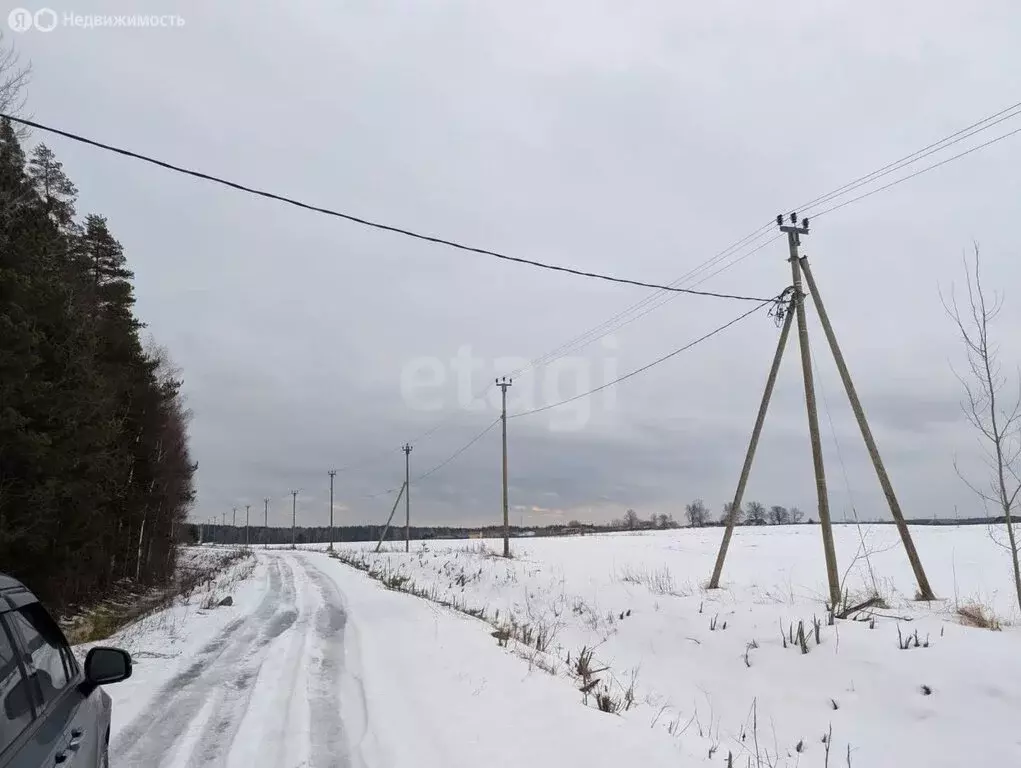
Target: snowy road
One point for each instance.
(263, 692)
(317, 666)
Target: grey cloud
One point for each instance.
(638, 140)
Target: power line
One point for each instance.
(567, 348)
(666, 299)
(367, 222)
(609, 325)
(919, 172)
(458, 452)
(439, 466)
(925, 151)
(953, 138)
(654, 363)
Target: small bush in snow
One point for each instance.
(976, 615)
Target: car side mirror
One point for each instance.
(107, 665)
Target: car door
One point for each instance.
(16, 711)
(66, 733)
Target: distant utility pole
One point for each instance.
(265, 521)
(407, 496)
(294, 516)
(234, 518)
(333, 474)
(247, 507)
(503, 383)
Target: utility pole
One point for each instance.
(333, 474)
(794, 233)
(265, 522)
(407, 496)
(924, 589)
(799, 268)
(503, 383)
(247, 507)
(735, 505)
(294, 516)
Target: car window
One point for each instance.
(15, 709)
(46, 649)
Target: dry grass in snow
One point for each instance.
(762, 672)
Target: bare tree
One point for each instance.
(697, 512)
(779, 515)
(796, 515)
(14, 78)
(997, 418)
(631, 519)
(728, 512)
(756, 514)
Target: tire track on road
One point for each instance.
(238, 684)
(329, 747)
(151, 738)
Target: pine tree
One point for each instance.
(95, 475)
(57, 192)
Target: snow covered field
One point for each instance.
(710, 671)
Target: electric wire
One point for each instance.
(843, 469)
(936, 146)
(594, 334)
(457, 453)
(436, 468)
(646, 367)
(367, 222)
(919, 172)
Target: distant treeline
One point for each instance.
(95, 476)
(226, 534)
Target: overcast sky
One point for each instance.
(636, 139)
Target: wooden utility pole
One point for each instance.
(794, 233)
(265, 522)
(333, 473)
(386, 528)
(735, 506)
(407, 496)
(294, 516)
(924, 590)
(799, 267)
(247, 507)
(503, 383)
